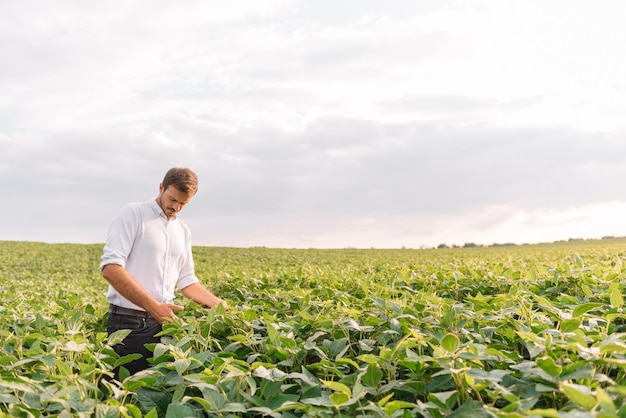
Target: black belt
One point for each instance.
(114, 309)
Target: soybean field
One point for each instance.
(511, 331)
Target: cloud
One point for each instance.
(313, 124)
(336, 175)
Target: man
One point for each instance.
(146, 256)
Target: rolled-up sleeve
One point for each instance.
(187, 274)
(120, 237)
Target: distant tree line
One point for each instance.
(511, 244)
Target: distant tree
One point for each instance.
(442, 246)
(469, 245)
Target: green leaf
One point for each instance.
(548, 365)
(345, 360)
(64, 369)
(126, 359)
(586, 289)
(175, 410)
(272, 373)
(570, 325)
(471, 409)
(339, 398)
(372, 376)
(339, 387)
(7, 399)
(384, 400)
(578, 261)
(7, 360)
(264, 411)
(125, 374)
(214, 397)
(17, 386)
(585, 307)
(74, 347)
(118, 336)
(159, 350)
(132, 410)
(206, 405)
(318, 401)
(21, 363)
(336, 348)
(153, 413)
(393, 406)
(450, 343)
(272, 333)
(279, 400)
(270, 389)
(617, 301)
(235, 407)
(579, 395)
(492, 375)
(444, 399)
(605, 401)
(547, 413)
(82, 406)
(152, 399)
(179, 393)
(449, 316)
(181, 365)
(369, 358)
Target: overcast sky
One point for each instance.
(352, 123)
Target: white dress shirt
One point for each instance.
(154, 250)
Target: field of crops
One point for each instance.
(482, 332)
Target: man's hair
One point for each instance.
(183, 179)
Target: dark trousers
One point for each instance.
(143, 332)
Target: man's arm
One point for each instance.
(202, 295)
(123, 282)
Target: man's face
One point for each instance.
(172, 200)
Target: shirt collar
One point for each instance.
(157, 209)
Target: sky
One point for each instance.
(317, 123)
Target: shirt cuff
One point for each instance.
(187, 281)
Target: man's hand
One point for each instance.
(123, 282)
(163, 312)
